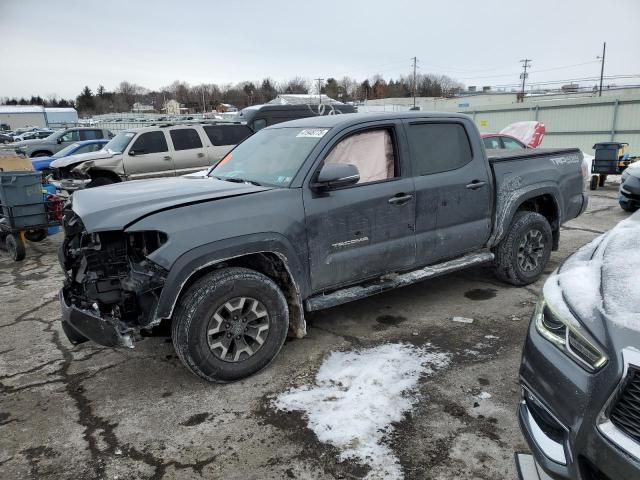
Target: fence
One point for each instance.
(578, 122)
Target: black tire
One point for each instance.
(516, 262)
(100, 181)
(197, 309)
(16, 247)
(593, 184)
(41, 154)
(603, 178)
(36, 235)
(627, 207)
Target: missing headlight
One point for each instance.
(143, 244)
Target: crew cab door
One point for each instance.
(148, 156)
(188, 150)
(366, 229)
(453, 189)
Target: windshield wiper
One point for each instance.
(237, 180)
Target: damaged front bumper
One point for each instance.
(91, 326)
(111, 288)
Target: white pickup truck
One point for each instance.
(150, 152)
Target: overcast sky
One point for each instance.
(57, 47)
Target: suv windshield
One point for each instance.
(270, 157)
(118, 143)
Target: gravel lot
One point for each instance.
(91, 412)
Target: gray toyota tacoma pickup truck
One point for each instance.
(302, 216)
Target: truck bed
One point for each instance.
(504, 155)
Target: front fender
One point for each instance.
(204, 256)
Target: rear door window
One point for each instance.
(150, 142)
(185, 139)
(438, 147)
(221, 135)
(71, 136)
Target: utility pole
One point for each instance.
(524, 75)
(415, 61)
(204, 105)
(319, 80)
(604, 49)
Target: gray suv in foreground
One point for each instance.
(580, 372)
(302, 216)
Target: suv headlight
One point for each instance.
(563, 334)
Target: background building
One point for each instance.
(17, 116)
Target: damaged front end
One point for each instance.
(111, 289)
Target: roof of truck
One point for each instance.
(347, 119)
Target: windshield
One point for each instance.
(119, 142)
(270, 157)
(66, 150)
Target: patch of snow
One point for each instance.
(357, 397)
(462, 320)
(484, 395)
(490, 337)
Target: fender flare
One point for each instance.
(210, 254)
(511, 199)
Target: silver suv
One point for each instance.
(150, 152)
(46, 147)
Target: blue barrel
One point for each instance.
(21, 199)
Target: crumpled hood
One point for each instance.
(601, 284)
(82, 157)
(113, 207)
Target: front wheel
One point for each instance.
(524, 252)
(230, 324)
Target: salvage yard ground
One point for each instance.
(91, 412)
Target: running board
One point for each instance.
(389, 282)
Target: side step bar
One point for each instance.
(389, 282)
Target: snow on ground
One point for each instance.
(358, 395)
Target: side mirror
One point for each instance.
(59, 139)
(336, 175)
(133, 153)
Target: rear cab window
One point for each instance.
(438, 147)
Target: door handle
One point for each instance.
(166, 157)
(200, 155)
(476, 184)
(400, 199)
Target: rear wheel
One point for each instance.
(603, 178)
(230, 324)
(41, 154)
(16, 247)
(523, 254)
(36, 235)
(100, 181)
(593, 184)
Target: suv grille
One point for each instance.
(626, 412)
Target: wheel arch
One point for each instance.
(46, 152)
(276, 263)
(545, 200)
(96, 173)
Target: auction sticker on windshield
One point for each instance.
(313, 133)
